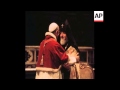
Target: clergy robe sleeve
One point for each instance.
(59, 51)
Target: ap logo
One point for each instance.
(98, 16)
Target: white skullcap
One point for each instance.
(53, 26)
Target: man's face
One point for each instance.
(57, 33)
(63, 38)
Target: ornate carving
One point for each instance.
(29, 55)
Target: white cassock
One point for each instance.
(48, 73)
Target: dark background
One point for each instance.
(81, 22)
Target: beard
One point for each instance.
(63, 41)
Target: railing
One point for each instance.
(31, 55)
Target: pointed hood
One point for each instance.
(65, 27)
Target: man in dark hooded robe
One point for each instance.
(68, 42)
(78, 70)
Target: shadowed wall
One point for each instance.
(81, 22)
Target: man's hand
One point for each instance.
(76, 55)
(72, 60)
